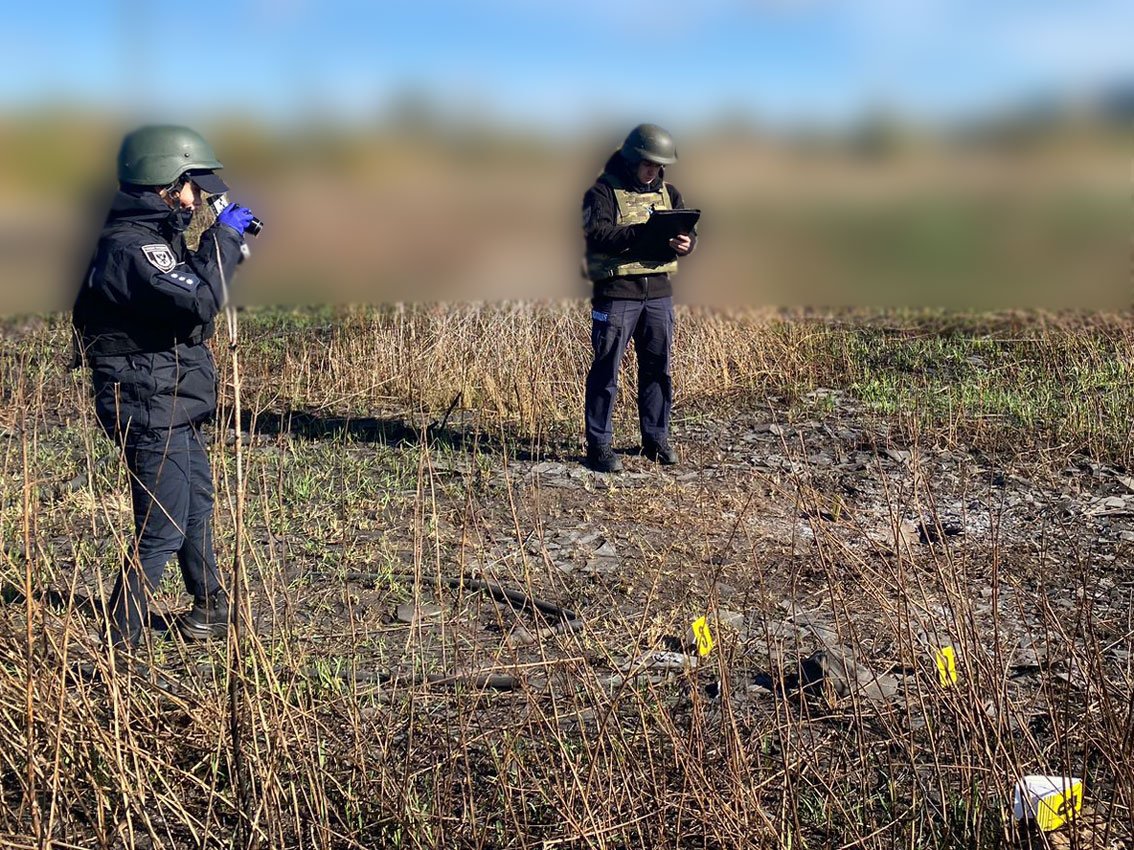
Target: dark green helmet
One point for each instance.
(158, 155)
(649, 142)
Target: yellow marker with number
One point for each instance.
(703, 636)
(946, 659)
(1050, 800)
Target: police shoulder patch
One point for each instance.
(160, 257)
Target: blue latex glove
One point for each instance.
(236, 217)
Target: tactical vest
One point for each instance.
(633, 208)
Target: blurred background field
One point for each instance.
(378, 214)
(877, 153)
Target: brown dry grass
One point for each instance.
(581, 754)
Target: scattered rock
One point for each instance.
(1112, 506)
(582, 717)
(730, 619)
(549, 468)
(603, 566)
(520, 636)
(906, 535)
(606, 550)
(724, 591)
(930, 531)
(409, 612)
(659, 660)
(1029, 657)
(837, 669)
(441, 466)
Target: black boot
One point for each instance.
(601, 458)
(660, 451)
(207, 619)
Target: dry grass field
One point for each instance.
(452, 635)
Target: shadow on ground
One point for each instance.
(88, 606)
(397, 431)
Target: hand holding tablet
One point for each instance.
(667, 224)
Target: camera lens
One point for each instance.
(219, 202)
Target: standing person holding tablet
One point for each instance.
(630, 255)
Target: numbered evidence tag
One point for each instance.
(1050, 800)
(946, 659)
(703, 636)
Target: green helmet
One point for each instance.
(649, 142)
(158, 155)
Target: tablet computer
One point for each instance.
(670, 223)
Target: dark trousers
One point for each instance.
(172, 490)
(614, 322)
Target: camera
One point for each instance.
(219, 202)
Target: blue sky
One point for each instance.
(547, 64)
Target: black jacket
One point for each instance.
(600, 212)
(144, 312)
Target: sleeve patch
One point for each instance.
(160, 257)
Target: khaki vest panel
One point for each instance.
(633, 208)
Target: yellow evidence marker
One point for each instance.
(946, 660)
(1050, 800)
(702, 636)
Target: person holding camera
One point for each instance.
(630, 268)
(142, 319)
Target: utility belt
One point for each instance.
(92, 345)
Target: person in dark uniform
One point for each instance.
(143, 318)
(633, 298)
